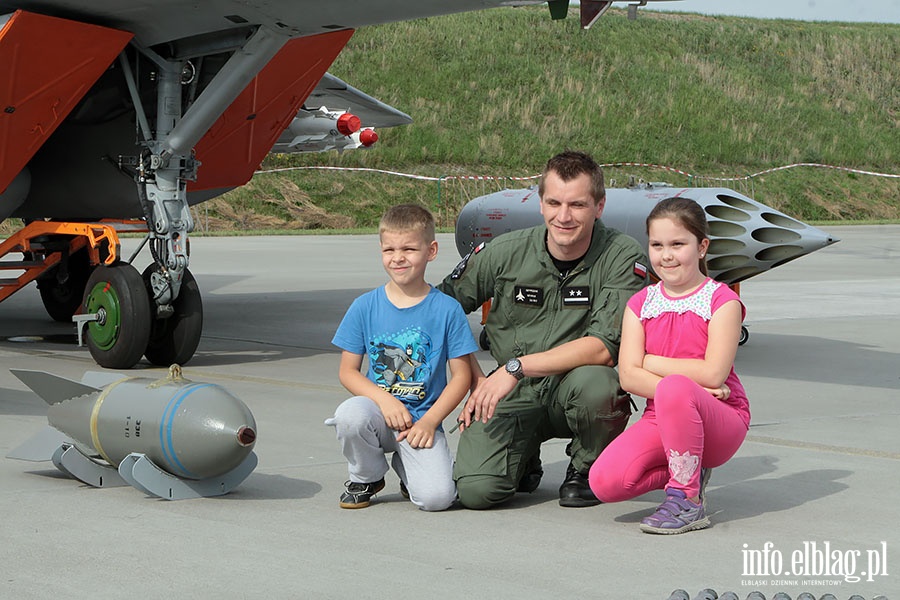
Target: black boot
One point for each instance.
(575, 491)
(532, 477)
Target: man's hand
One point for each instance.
(488, 392)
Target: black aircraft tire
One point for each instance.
(120, 340)
(174, 340)
(62, 300)
(483, 340)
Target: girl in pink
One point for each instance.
(679, 340)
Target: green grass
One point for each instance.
(498, 92)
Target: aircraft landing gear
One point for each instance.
(121, 332)
(745, 335)
(115, 302)
(483, 340)
(174, 339)
(159, 315)
(62, 288)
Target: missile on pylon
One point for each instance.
(746, 237)
(365, 137)
(170, 438)
(322, 129)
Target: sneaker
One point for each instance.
(676, 515)
(359, 495)
(575, 492)
(532, 477)
(403, 491)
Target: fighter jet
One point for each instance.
(118, 116)
(170, 438)
(746, 237)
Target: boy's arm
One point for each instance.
(395, 413)
(421, 434)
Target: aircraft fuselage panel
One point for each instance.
(46, 66)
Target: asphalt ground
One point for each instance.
(808, 504)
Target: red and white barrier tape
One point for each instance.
(609, 165)
(752, 175)
(363, 169)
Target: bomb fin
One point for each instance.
(51, 388)
(41, 446)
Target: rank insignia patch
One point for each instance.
(576, 295)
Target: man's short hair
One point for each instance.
(572, 163)
(408, 217)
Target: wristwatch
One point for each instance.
(514, 368)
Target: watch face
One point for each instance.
(514, 367)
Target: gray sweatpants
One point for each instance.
(365, 439)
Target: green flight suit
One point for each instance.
(535, 309)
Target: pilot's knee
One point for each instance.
(593, 386)
(479, 492)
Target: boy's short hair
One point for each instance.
(408, 217)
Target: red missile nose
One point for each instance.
(367, 137)
(348, 124)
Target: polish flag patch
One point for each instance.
(640, 270)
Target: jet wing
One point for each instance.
(336, 94)
(187, 25)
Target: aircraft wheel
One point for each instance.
(175, 339)
(119, 338)
(483, 340)
(745, 335)
(61, 300)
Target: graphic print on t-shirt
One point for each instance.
(400, 363)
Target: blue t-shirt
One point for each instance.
(408, 348)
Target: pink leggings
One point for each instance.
(666, 448)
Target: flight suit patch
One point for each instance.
(461, 267)
(576, 296)
(529, 296)
(640, 270)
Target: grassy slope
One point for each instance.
(498, 92)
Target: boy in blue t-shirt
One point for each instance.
(410, 333)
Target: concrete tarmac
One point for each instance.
(808, 504)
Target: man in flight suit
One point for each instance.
(559, 291)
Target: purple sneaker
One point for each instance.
(676, 515)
